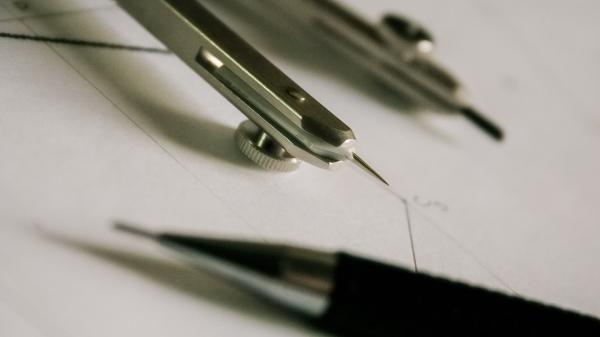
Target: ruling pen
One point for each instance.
(348, 295)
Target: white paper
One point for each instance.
(89, 136)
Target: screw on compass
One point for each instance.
(409, 31)
(263, 150)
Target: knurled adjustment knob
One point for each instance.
(259, 147)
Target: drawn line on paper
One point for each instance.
(410, 233)
(467, 251)
(415, 212)
(82, 43)
(29, 16)
(431, 204)
(152, 138)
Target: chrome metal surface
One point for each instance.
(270, 99)
(299, 278)
(396, 51)
(365, 167)
(309, 269)
(407, 34)
(392, 50)
(259, 147)
(304, 285)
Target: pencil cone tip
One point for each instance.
(484, 124)
(133, 230)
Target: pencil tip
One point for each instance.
(362, 164)
(129, 229)
(483, 123)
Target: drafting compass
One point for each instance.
(285, 124)
(397, 51)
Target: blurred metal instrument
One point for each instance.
(349, 295)
(397, 51)
(286, 125)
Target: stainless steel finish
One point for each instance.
(259, 147)
(309, 269)
(365, 167)
(304, 281)
(272, 101)
(305, 293)
(407, 33)
(397, 51)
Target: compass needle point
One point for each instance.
(366, 167)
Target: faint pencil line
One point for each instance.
(467, 251)
(54, 14)
(82, 43)
(410, 233)
(154, 140)
(462, 247)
